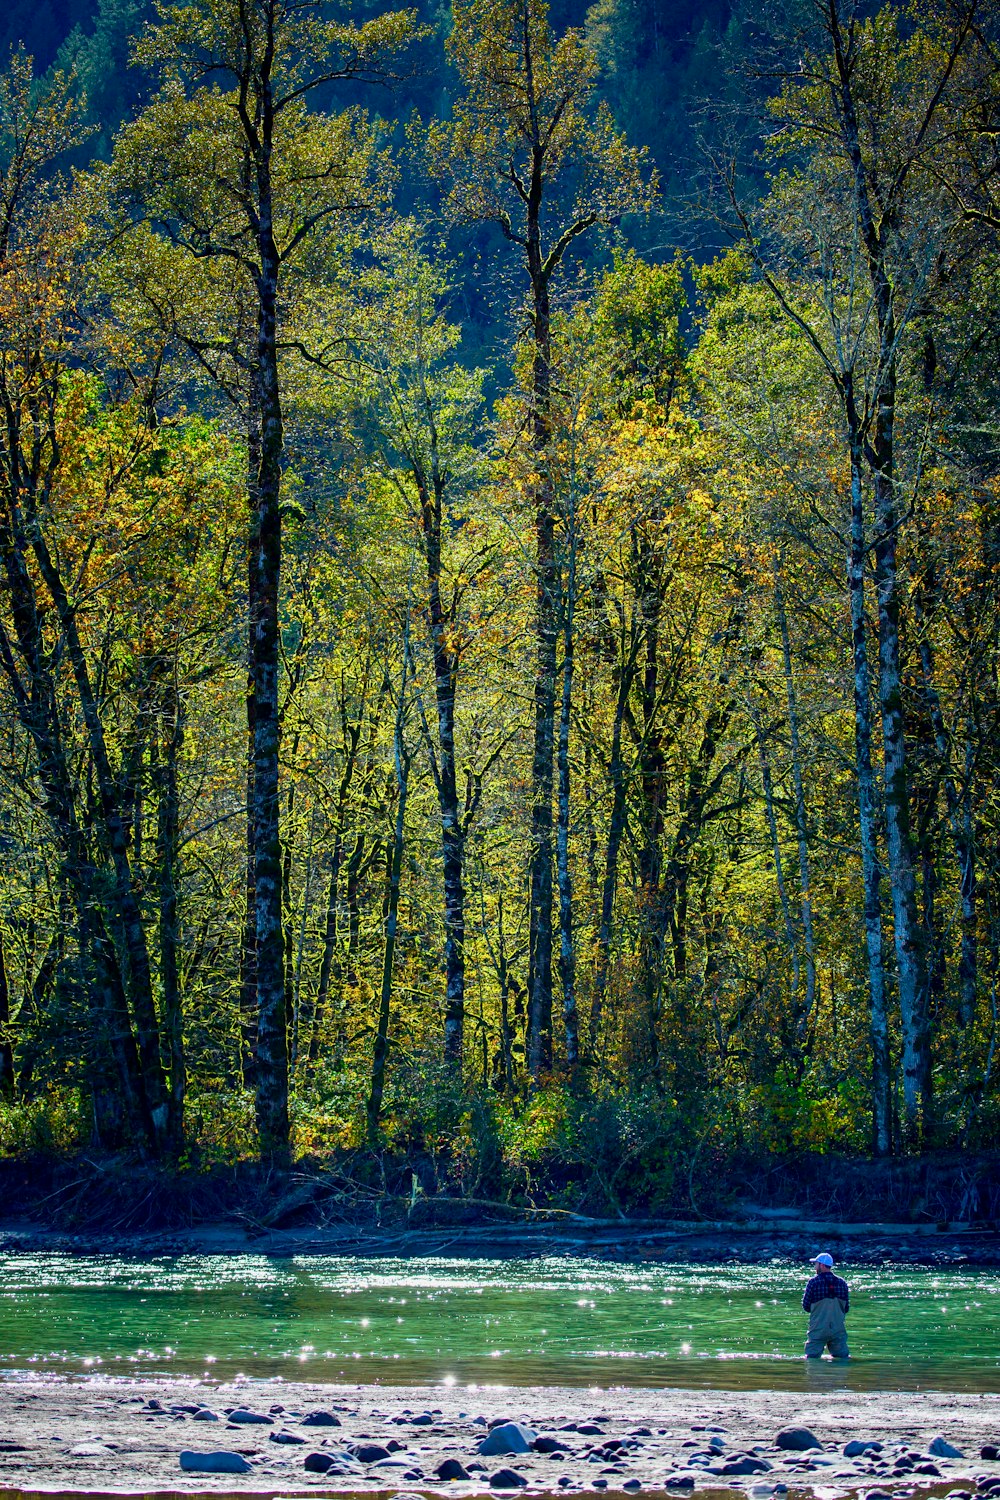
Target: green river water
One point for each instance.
(437, 1321)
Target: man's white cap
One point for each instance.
(822, 1259)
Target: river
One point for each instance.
(443, 1321)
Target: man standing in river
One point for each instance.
(827, 1301)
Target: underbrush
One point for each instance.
(451, 1155)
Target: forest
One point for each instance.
(500, 587)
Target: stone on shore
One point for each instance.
(222, 1462)
(317, 1463)
(941, 1448)
(742, 1464)
(320, 1419)
(797, 1439)
(204, 1415)
(370, 1453)
(250, 1418)
(507, 1479)
(452, 1469)
(508, 1437)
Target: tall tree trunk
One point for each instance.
(911, 965)
(868, 820)
(653, 915)
(248, 945)
(767, 784)
(394, 868)
(286, 899)
(801, 822)
(539, 1038)
(960, 826)
(331, 931)
(567, 953)
(616, 832)
(168, 822)
(272, 1035)
(126, 910)
(446, 665)
(117, 1087)
(6, 1041)
(875, 225)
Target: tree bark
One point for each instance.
(960, 826)
(767, 784)
(911, 966)
(167, 847)
(394, 868)
(248, 944)
(331, 931)
(801, 821)
(876, 225)
(868, 820)
(6, 1041)
(126, 909)
(272, 1035)
(567, 952)
(616, 832)
(539, 1039)
(446, 666)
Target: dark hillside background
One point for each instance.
(661, 58)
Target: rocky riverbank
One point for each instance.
(281, 1438)
(673, 1242)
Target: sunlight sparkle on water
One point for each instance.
(547, 1320)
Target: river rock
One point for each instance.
(318, 1463)
(204, 1415)
(507, 1479)
(370, 1453)
(941, 1448)
(590, 1429)
(632, 1484)
(452, 1469)
(797, 1439)
(507, 1437)
(250, 1418)
(991, 1452)
(320, 1419)
(744, 1464)
(89, 1450)
(681, 1482)
(546, 1444)
(214, 1463)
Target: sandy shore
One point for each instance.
(106, 1435)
